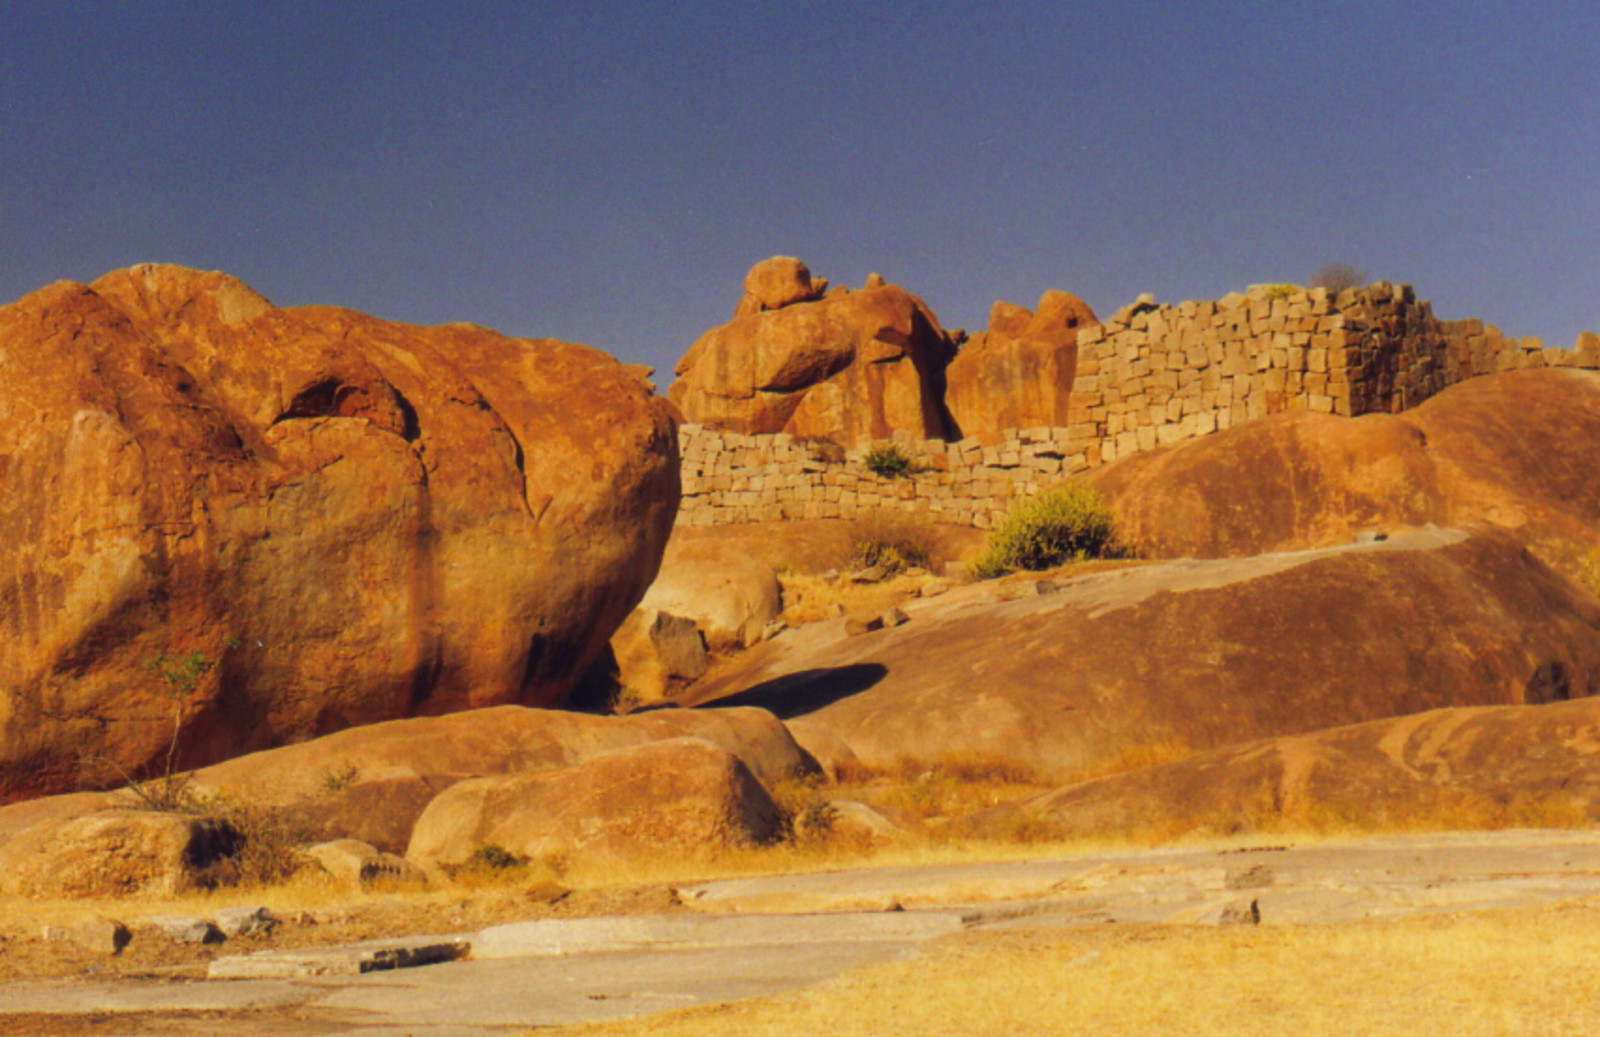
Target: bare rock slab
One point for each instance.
(561, 936)
(351, 960)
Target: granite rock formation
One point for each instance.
(1019, 373)
(348, 520)
(850, 366)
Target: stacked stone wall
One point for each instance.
(1156, 375)
(1148, 377)
(733, 477)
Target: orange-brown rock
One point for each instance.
(111, 853)
(355, 520)
(1514, 449)
(1019, 373)
(718, 582)
(775, 283)
(1465, 767)
(850, 367)
(680, 795)
(371, 783)
(1088, 670)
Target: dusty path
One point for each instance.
(750, 937)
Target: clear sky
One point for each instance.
(605, 172)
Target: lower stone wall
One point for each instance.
(731, 477)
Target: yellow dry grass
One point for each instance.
(1526, 971)
(809, 598)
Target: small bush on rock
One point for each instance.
(1058, 526)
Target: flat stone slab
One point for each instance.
(669, 932)
(350, 960)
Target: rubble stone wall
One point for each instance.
(1148, 377)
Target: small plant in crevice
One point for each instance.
(888, 461)
(1066, 524)
(179, 675)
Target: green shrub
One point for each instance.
(887, 461)
(1045, 531)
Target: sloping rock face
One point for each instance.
(353, 520)
(1019, 373)
(682, 795)
(371, 783)
(1182, 656)
(851, 366)
(1514, 449)
(1466, 767)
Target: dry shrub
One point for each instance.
(891, 543)
(264, 848)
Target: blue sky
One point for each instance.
(606, 172)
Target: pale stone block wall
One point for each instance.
(1148, 377)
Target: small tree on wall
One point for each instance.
(1336, 277)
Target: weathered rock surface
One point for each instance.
(1019, 373)
(1182, 656)
(775, 283)
(111, 853)
(851, 366)
(355, 520)
(681, 794)
(729, 592)
(372, 783)
(657, 653)
(358, 865)
(1464, 767)
(367, 786)
(1515, 449)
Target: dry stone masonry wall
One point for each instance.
(1149, 377)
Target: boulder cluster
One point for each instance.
(855, 365)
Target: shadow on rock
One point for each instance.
(797, 694)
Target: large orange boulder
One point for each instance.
(679, 795)
(1020, 372)
(1514, 449)
(1082, 673)
(314, 518)
(851, 366)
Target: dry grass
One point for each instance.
(1526, 971)
(1589, 570)
(811, 598)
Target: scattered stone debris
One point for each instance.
(183, 930)
(857, 623)
(360, 865)
(99, 935)
(245, 921)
